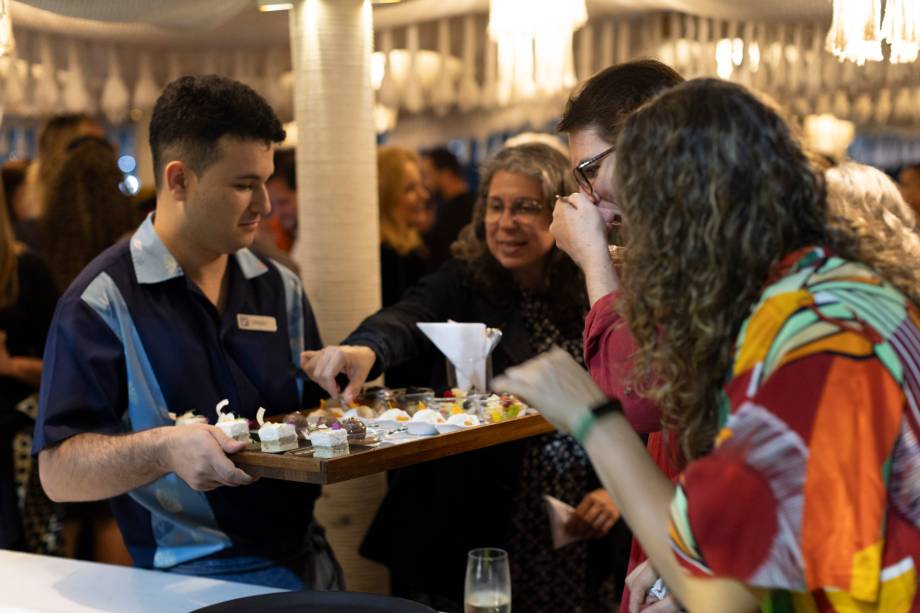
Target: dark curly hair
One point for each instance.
(193, 113)
(715, 188)
(565, 286)
(85, 211)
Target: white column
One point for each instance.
(338, 244)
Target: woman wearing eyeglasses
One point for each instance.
(508, 274)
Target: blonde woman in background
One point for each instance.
(402, 198)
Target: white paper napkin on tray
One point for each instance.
(467, 346)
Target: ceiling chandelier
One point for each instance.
(7, 44)
(858, 29)
(534, 41)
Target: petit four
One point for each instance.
(329, 442)
(235, 427)
(428, 416)
(361, 411)
(463, 419)
(189, 417)
(276, 437)
(500, 408)
(356, 430)
(394, 415)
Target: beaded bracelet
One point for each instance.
(587, 421)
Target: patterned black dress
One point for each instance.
(581, 577)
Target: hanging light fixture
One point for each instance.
(534, 42)
(7, 43)
(901, 28)
(857, 30)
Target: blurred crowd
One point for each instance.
(712, 225)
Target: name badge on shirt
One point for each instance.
(256, 323)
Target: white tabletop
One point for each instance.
(41, 583)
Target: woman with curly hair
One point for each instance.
(508, 274)
(85, 213)
(786, 355)
(85, 210)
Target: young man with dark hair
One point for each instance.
(443, 177)
(179, 318)
(581, 224)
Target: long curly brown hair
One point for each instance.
(85, 211)
(564, 289)
(715, 189)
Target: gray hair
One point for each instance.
(866, 204)
(542, 163)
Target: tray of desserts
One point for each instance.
(336, 443)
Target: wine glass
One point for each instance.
(488, 582)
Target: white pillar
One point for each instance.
(338, 244)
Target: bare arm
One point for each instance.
(643, 493)
(26, 370)
(96, 466)
(600, 277)
(562, 390)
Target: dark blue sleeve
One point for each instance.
(84, 380)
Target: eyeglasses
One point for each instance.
(586, 171)
(522, 209)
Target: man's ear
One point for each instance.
(176, 179)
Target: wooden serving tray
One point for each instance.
(362, 461)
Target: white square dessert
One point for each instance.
(277, 437)
(237, 429)
(329, 442)
(189, 417)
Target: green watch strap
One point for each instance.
(586, 422)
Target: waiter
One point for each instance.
(180, 317)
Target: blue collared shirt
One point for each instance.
(133, 339)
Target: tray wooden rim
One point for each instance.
(379, 459)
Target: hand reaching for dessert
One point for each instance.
(554, 384)
(323, 366)
(198, 454)
(594, 516)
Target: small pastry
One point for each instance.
(329, 442)
(428, 416)
(355, 429)
(394, 415)
(189, 417)
(276, 437)
(463, 419)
